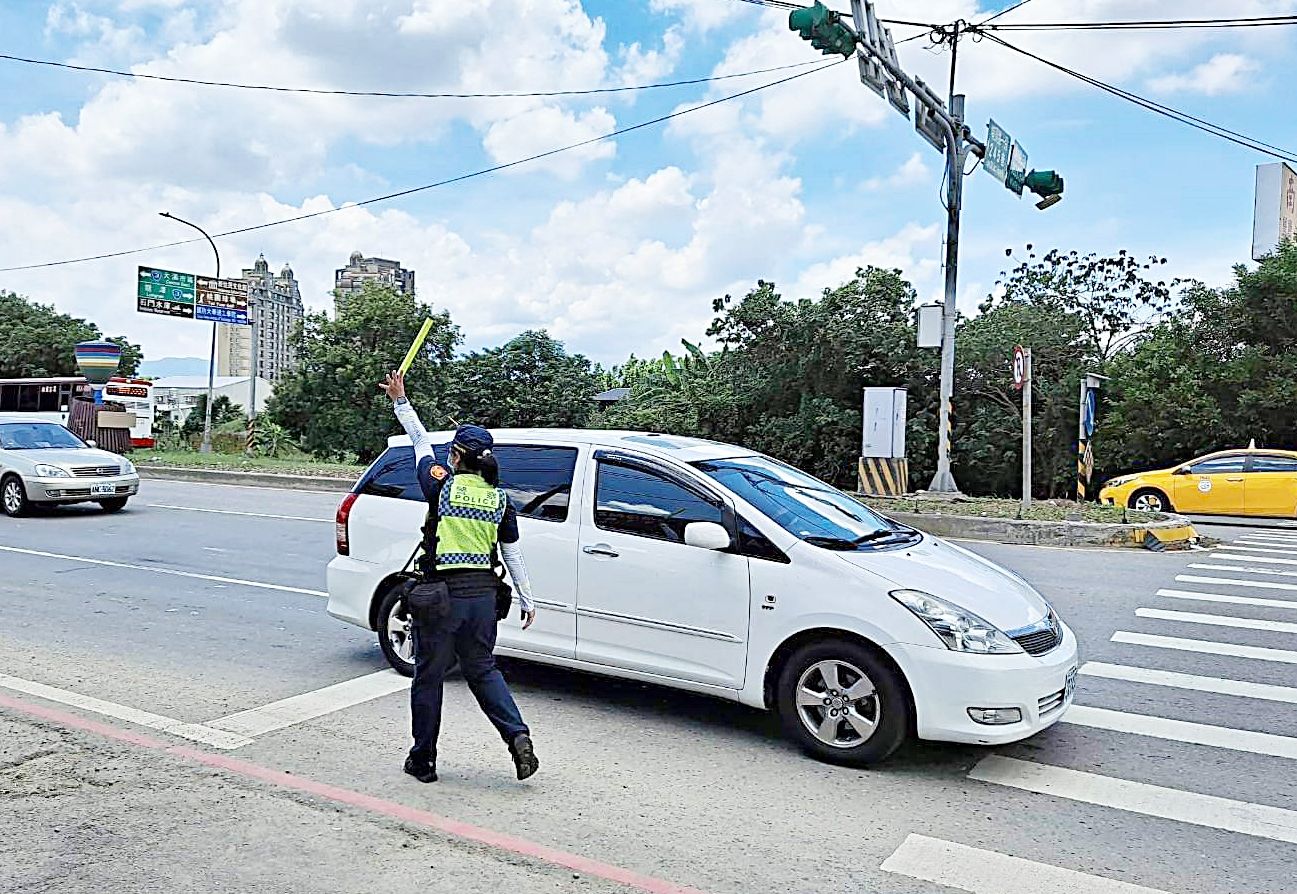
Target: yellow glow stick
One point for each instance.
(418, 343)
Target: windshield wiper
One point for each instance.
(841, 543)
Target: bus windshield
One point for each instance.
(36, 436)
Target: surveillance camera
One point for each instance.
(1049, 201)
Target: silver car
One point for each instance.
(42, 463)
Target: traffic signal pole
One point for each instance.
(943, 482)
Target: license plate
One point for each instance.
(1069, 687)
(103, 489)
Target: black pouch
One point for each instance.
(428, 601)
(503, 592)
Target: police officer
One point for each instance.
(468, 516)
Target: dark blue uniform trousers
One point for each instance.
(469, 635)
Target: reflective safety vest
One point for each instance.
(469, 514)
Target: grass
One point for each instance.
(990, 507)
(234, 462)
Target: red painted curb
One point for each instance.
(322, 790)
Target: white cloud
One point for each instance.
(641, 66)
(1222, 73)
(700, 15)
(913, 250)
(545, 128)
(911, 172)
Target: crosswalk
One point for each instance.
(1224, 632)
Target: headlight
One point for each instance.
(1118, 482)
(958, 628)
(47, 471)
(128, 467)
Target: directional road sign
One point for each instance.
(999, 147)
(222, 301)
(165, 292)
(1017, 175)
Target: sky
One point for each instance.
(620, 246)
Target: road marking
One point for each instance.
(1263, 559)
(1270, 543)
(261, 585)
(1183, 731)
(195, 732)
(499, 841)
(1231, 600)
(1243, 569)
(1218, 685)
(1257, 820)
(1229, 581)
(1216, 620)
(310, 705)
(1205, 647)
(1270, 535)
(327, 521)
(1253, 549)
(980, 871)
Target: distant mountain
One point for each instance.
(174, 366)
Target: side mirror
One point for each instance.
(93, 443)
(707, 535)
(1183, 470)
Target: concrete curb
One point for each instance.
(1170, 533)
(247, 479)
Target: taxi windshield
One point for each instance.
(36, 436)
(804, 506)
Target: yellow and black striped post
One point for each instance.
(884, 477)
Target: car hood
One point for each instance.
(958, 576)
(70, 457)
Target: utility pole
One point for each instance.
(255, 354)
(206, 446)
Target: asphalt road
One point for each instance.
(1174, 773)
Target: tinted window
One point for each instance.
(538, 480)
(633, 501)
(1274, 464)
(394, 476)
(1221, 465)
(36, 436)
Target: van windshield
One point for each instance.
(804, 506)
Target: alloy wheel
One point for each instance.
(398, 634)
(13, 496)
(1148, 503)
(838, 704)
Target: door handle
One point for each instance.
(600, 550)
(1236, 480)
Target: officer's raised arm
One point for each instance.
(394, 387)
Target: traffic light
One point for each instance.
(823, 28)
(1046, 184)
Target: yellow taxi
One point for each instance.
(1231, 482)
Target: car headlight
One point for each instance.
(958, 628)
(44, 470)
(1118, 482)
(128, 467)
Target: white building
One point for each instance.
(275, 303)
(176, 396)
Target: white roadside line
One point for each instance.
(980, 871)
(1226, 814)
(1265, 560)
(1227, 599)
(1183, 731)
(1253, 549)
(261, 585)
(1229, 581)
(1205, 647)
(310, 705)
(1216, 620)
(327, 521)
(1217, 685)
(195, 732)
(1243, 569)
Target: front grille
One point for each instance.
(97, 471)
(1051, 702)
(1039, 638)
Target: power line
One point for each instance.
(320, 91)
(1167, 111)
(1144, 24)
(1004, 12)
(448, 181)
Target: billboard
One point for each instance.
(1275, 216)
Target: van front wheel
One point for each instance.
(842, 704)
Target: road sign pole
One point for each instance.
(206, 446)
(1026, 430)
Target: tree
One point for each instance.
(223, 410)
(37, 341)
(331, 404)
(529, 382)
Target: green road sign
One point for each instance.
(1017, 168)
(999, 148)
(165, 292)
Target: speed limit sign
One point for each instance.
(1019, 367)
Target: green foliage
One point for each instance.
(530, 382)
(269, 438)
(224, 411)
(36, 341)
(331, 404)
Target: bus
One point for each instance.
(51, 398)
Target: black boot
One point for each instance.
(421, 770)
(524, 756)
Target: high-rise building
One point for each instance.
(275, 306)
(350, 280)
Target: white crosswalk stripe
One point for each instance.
(1264, 560)
(1217, 620)
(1230, 581)
(1259, 549)
(1183, 731)
(1217, 685)
(1205, 647)
(1228, 599)
(1242, 569)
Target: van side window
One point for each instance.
(633, 501)
(538, 480)
(394, 473)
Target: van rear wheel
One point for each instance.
(842, 704)
(395, 633)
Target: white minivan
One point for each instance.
(707, 567)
